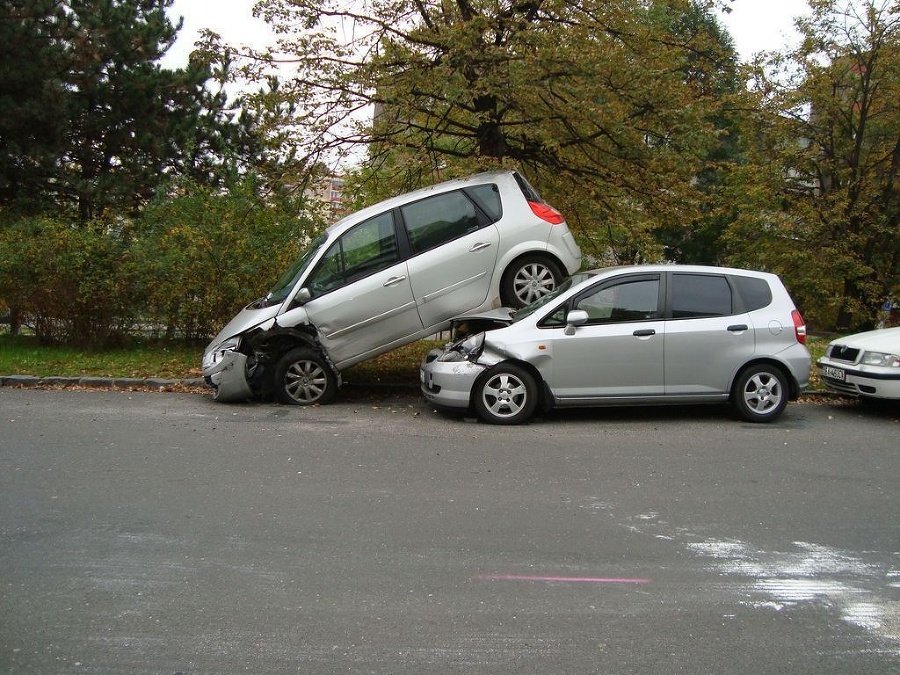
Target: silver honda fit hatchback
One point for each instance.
(663, 334)
(388, 275)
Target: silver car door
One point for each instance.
(362, 298)
(454, 251)
(705, 340)
(618, 353)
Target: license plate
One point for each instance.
(833, 373)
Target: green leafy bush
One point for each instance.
(181, 269)
(73, 283)
(204, 254)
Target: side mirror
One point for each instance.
(303, 296)
(577, 317)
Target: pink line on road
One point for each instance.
(551, 579)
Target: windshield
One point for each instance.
(287, 281)
(528, 310)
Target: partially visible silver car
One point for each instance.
(659, 335)
(864, 365)
(388, 275)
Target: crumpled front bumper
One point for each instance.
(228, 377)
(449, 384)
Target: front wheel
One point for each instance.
(528, 279)
(303, 378)
(507, 395)
(760, 393)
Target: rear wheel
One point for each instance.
(507, 395)
(303, 378)
(760, 393)
(528, 279)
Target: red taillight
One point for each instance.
(799, 327)
(547, 212)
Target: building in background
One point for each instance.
(329, 190)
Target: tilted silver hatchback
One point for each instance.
(386, 276)
(658, 334)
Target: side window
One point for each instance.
(368, 248)
(696, 296)
(328, 274)
(437, 220)
(625, 301)
(755, 293)
(488, 198)
(557, 319)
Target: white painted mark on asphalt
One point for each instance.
(809, 574)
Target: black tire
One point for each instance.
(507, 394)
(760, 393)
(529, 278)
(303, 378)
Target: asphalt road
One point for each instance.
(165, 533)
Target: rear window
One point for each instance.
(755, 293)
(699, 295)
(488, 198)
(529, 192)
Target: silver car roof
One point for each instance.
(393, 202)
(676, 267)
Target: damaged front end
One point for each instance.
(448, 373)
(235, 367)
(236, 364)
(243, 366)
(229, 361)
(225, 370)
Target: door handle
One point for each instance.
(393, 281)
(738, 328)
(479, 246)
(646, 332)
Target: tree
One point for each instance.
(32, 95)
(700, 241)
(92, 122)
(603, 104)
(829, 126)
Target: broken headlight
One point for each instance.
(214, 355)
(467, 349)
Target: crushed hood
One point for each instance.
(501, 315)
(470, 324)
(250, 317)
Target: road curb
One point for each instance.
(34, 381)
(157, 383)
